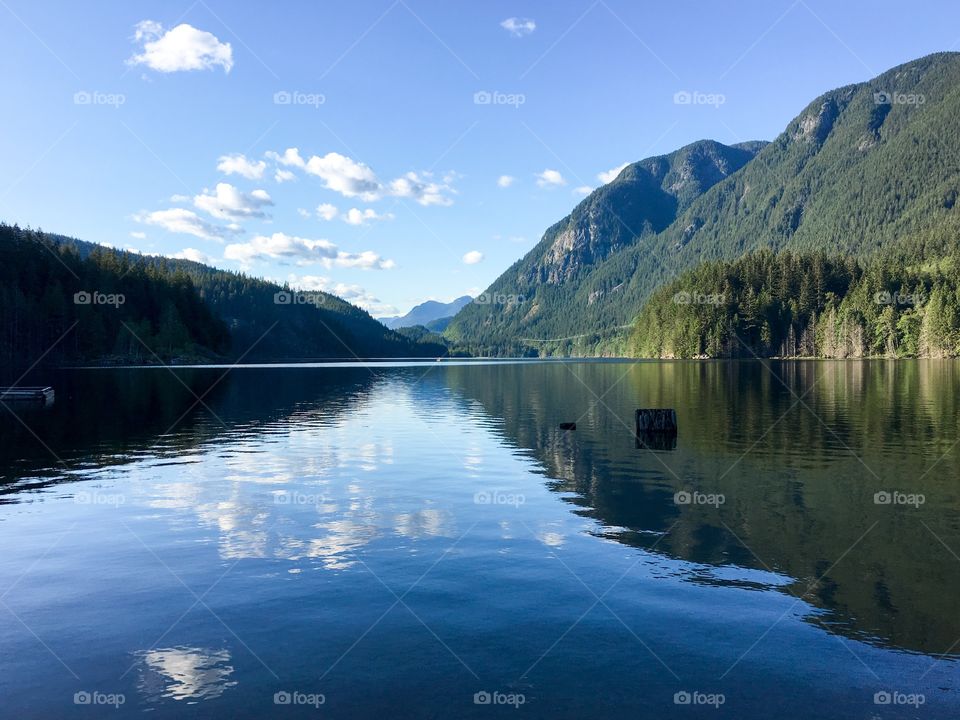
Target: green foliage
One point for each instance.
(803, 305)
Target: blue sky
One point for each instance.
(166, 126)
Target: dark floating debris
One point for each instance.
(568, 426)
(656, 428)
(43, 395)
(656, 420)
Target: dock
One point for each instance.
(42, 395)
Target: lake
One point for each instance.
(421, 540)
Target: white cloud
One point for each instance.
(505, 181)
(582, 190)
(518, 27)
(181, 220)
(356, 216)
(282, 176)
(345, 176)
(229, 203)
(422, 189)
(550, 178)
(354, 179)
(138, 235)
(472, 257)
(351, 293)
(327, 211)
(302, 251)
(302, 212)
(611, 174)
(182, 48)
(193, 254)
(290, 158)
(240, 165)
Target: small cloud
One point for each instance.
(179, 198)
(611, 174)
(518, 27)
(550, 178)
(303, 212)
(327, 211)
(194, 255)
(582, 190)
(238, 164)
(282, 176)
(505, 181)
(229, 203)
(138, 235)
(181, 220)
(183, 48)
(290, 158)
(355, 216)
(472, 257)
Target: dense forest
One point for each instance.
(805, 305)
(67, 300)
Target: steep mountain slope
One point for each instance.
(427, 312)
(860, 169)
(540, 295)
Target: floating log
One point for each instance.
(568, 426)
(656, 420)
(26, 394)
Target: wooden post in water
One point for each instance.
(656, 420)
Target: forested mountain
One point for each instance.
(859, 170)
(805, 305)
(133, 308)
(545, 294)
(426, 313)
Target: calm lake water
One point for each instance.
(411, 540)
